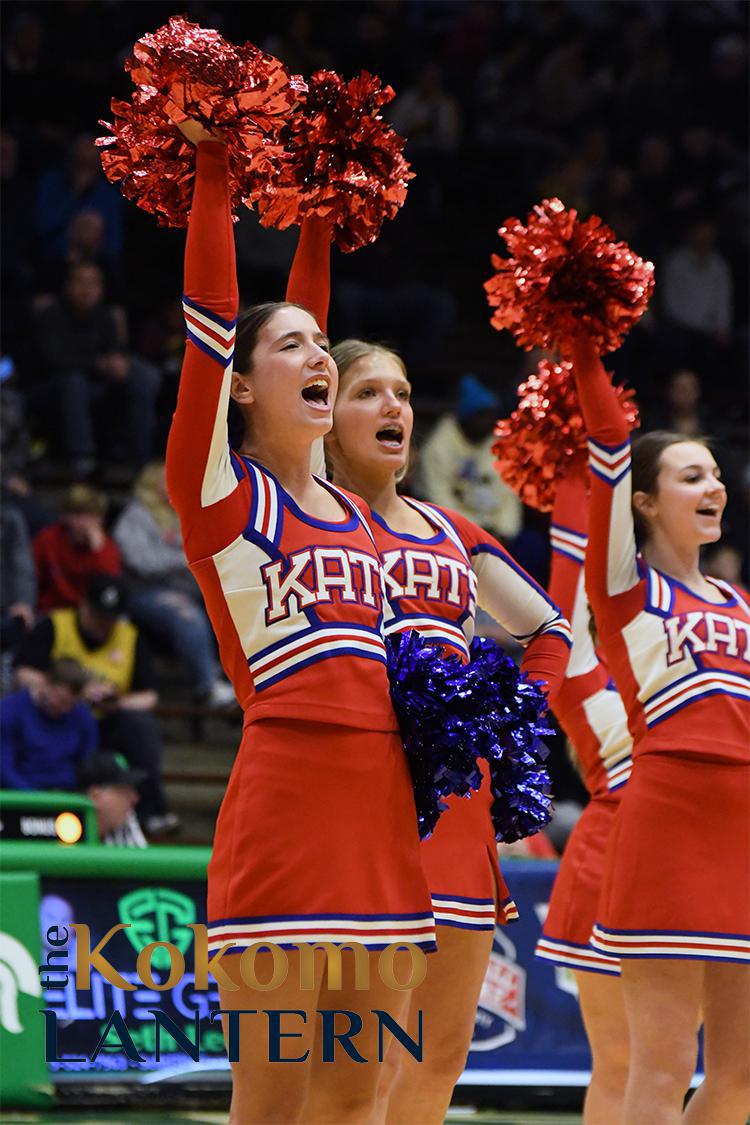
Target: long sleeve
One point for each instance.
(309, 285)
(568, 539)
(611, 567)
(202, 482)
(309, 282)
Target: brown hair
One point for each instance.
(347, 352)
(646, 462)
(68, 673)
(250, 323)
(81, 499)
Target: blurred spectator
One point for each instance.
(47, 731)
(162, 594)
(725, 562)
(17, 578)
(83, 371)
(70, 552)
(683, 410)
(112, 789)
(697, 285)
(65, 191)
(121, 685)
(457, 464)
(85, 243)
(15, 449)
(428, 116)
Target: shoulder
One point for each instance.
(470, 533)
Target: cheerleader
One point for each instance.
(674, 907)
(316, 839)
(592, 716)
(437, 566)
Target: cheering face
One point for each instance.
(293, 382)
(690, 498)
(373, 420)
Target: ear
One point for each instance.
(644, 504)
(242, 389)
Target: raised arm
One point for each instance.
(309, 282)
(568, 537)
(611, 568)
(203, 486)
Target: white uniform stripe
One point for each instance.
(321, 635)
(565, 536)
(227, 334)
(224, 351)
(692, 687)
(426, 625)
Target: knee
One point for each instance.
(445, 1059)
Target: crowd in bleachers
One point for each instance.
(634, 110)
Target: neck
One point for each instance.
(677, 560)
(378, 492)
(291, 467)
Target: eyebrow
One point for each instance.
(700, 468)
(300, 336)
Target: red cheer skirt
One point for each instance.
(317, 840)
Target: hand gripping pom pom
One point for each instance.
(342, 162)
(185, 71)
(564, 277)
(546, 434)
(452, 714)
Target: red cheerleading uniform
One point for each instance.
(433, 585)
(591, 713)
(316, 839)
(678, 861)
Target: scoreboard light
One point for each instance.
(68, 828)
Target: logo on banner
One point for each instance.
(18, 973)
(501, 1012)
(156, 914)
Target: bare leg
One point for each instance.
(603, 1010)
(346, 1091)
(725, 1093)
(448, 1001)
(264, 1092)
(662, 1001)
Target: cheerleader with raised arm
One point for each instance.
(674, 906)
(317, 836)
(438, 567)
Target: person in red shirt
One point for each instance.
(67, 554)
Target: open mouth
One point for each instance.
(709, 511)
(316, 393)
(391, 436)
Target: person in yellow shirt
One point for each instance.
(121, 686)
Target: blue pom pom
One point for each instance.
(452, 714)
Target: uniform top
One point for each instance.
(681, 663)
(433, 584)
(287, 594)
(588, 706)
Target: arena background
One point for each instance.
(634, 111)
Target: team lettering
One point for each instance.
(438, 578)
(310, 577)
(700, 631)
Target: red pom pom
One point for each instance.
(342, 163)
(564, 276)
(180, 71)
(546, 433)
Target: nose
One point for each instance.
(392, 404)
